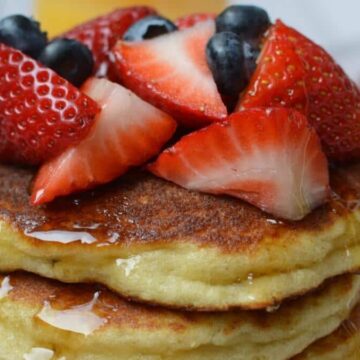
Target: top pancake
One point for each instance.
(153, 241)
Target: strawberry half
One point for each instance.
(101, 34)
(127, 133)
(41, 114)
(268, 157)
(294, 72)
(171, 72)
(193, 19)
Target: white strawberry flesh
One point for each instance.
(270, 158)
(128, 132)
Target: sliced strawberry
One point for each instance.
(171, 72)
(101, 34)
(41, 114)
(268, 157)
(127, 133)
(294, 72)
(193, 19)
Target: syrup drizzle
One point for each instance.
(250, 279)
(273, 308)
(5, 287)
(85, 233)
(62, 236)
(93, 226)
(79, 319)
(128, 264)
(38, 353)
(274, 221)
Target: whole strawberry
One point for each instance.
(294, 72)
(41, 114)
(101, 34)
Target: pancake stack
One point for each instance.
(142, 269)
(102, 260)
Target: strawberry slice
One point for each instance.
(127, 133)
(101, 34)
(268, 157)
(193, 19)
(294, 72)
(41, 114)
(171, 72)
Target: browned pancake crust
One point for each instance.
(34, 290)
(141, 209)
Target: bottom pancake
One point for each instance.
(343, 344)
(44, 319)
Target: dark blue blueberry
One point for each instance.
(69, 58)
(249, 22)
(23, 34)
(251, 53)
(226, 60)
(148, 28)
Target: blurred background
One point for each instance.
(332, 23)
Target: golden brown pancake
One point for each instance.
(156, 242)
(88, 322)
(343, 344)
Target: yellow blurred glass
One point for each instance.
(57, 16)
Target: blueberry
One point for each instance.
(69, 58)
(251, 53)
(23, 34)
(226, 61)
(249, 22)
(148, 28)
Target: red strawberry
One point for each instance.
(101, 34)
(268, 157)
(171, 72)
(127, 133)
(193, 19)
(294, 72)
(41, 114)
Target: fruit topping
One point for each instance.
(148, 28)
(293, 105)
(295, 72)
(279, 77)
(23, 34)
(171, 73)
(69, 58)
(232, 62)
(268, 157)
(249, 22)
(41, 114)
(128, 132)
(251, 54)
(101, 34)
(192, 19)
(233, 51)
(225, 57)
